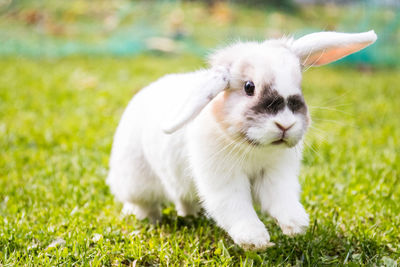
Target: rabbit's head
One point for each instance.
(263, 102)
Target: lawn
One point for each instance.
(57, 119)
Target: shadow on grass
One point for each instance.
(322, 244)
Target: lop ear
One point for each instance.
(324, 47)
(208, 85)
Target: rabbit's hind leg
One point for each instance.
(186, 208)
(152, 211)
(133, 183)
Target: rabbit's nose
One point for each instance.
(284, 127)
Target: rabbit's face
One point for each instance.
(264, 104)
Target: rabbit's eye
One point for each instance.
(249, 88)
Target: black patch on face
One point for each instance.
(296, 104)
(270, 102)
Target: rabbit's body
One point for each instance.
(147, 166)
(233, 137)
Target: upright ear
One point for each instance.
(203, 89)
(321, 48)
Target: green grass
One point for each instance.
(57, 120)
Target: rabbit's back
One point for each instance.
(143, 156)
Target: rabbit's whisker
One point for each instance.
(319, 120)
(313, 150)
(333, 109)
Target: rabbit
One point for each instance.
(223, 138)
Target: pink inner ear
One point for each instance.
(331, 54)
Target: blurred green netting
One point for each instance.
(386, 23)
(122, 27)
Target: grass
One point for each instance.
(57, 119)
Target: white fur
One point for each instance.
(207, 160)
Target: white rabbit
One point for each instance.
(224, 137)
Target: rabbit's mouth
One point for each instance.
(283, 140)
(254, 142)
(278, 142)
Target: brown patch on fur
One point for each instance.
(217, 108)
(245, 69)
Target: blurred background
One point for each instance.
(49, 28)
(68, 69)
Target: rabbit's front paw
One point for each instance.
(250, 236)
(293, 221)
